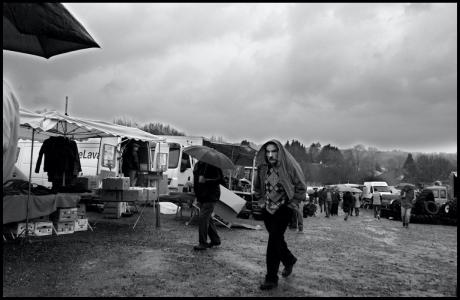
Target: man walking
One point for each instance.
(207, 179)
(407, 201)
(279, 188)
(376, 203)
(348, 203)
(328, 202)
(322, 199)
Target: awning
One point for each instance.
(241, 155)
(56, 124)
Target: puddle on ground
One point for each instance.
(149, 261)
(383, 235)
(239, 261)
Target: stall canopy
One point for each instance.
(241, 155)
(56, 124)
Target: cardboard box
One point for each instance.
(163, 185)
(121, 196)
(114, 209)
(115, 183)
(43, 228)
(151, 193)
(119, 205)
(67, 227)
(81, 225)
(67, 214)
(81, 210)
(88, 182)
(82, 183)
(20, 228)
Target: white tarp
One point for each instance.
(56, 124)
(10, 129)
(232, 200)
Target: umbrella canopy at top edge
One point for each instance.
(43, 29)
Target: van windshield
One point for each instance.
(173, 157)
(382, 189)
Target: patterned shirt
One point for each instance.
(275, 195)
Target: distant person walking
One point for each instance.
(329, 195)
(376, 203)
(315, 196)
(322, 199)
(348, 202)
(279, 188)
(207, 180)
(407, 201)
(335, 203)
(357, 203)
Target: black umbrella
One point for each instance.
(43, 29)
(210, 156)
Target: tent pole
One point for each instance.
(30, 184)
(252, 174)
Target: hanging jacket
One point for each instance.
(60, 155)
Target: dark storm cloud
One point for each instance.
(377, 74)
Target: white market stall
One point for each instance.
(40, 127)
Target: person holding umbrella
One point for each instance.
(206, 181)
(279, 188)
(207, 178)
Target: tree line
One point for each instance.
(330, 165)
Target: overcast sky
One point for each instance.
(382, 75)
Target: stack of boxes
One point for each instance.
(88, 182)
(115, 192)
(65, 222)
(81, 223)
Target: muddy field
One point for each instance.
(360, 257)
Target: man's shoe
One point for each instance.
(211, 244)
(200, 247)
(288, 269)
(268, 285)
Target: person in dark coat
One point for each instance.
(131, 165)
(322, 199)
(348, 201)
(206, 181)
(335, 203)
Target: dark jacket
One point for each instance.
(130, 161)
(60, 155)
(348, 201)
(210, 190)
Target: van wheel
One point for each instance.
(431, 207)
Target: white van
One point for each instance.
(375, 186)
(180, 166)
(89, 151)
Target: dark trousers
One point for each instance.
(328, 208)
(335, 208)
(277, 250)
(206, 224)
(321, 205)
(357, 211)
